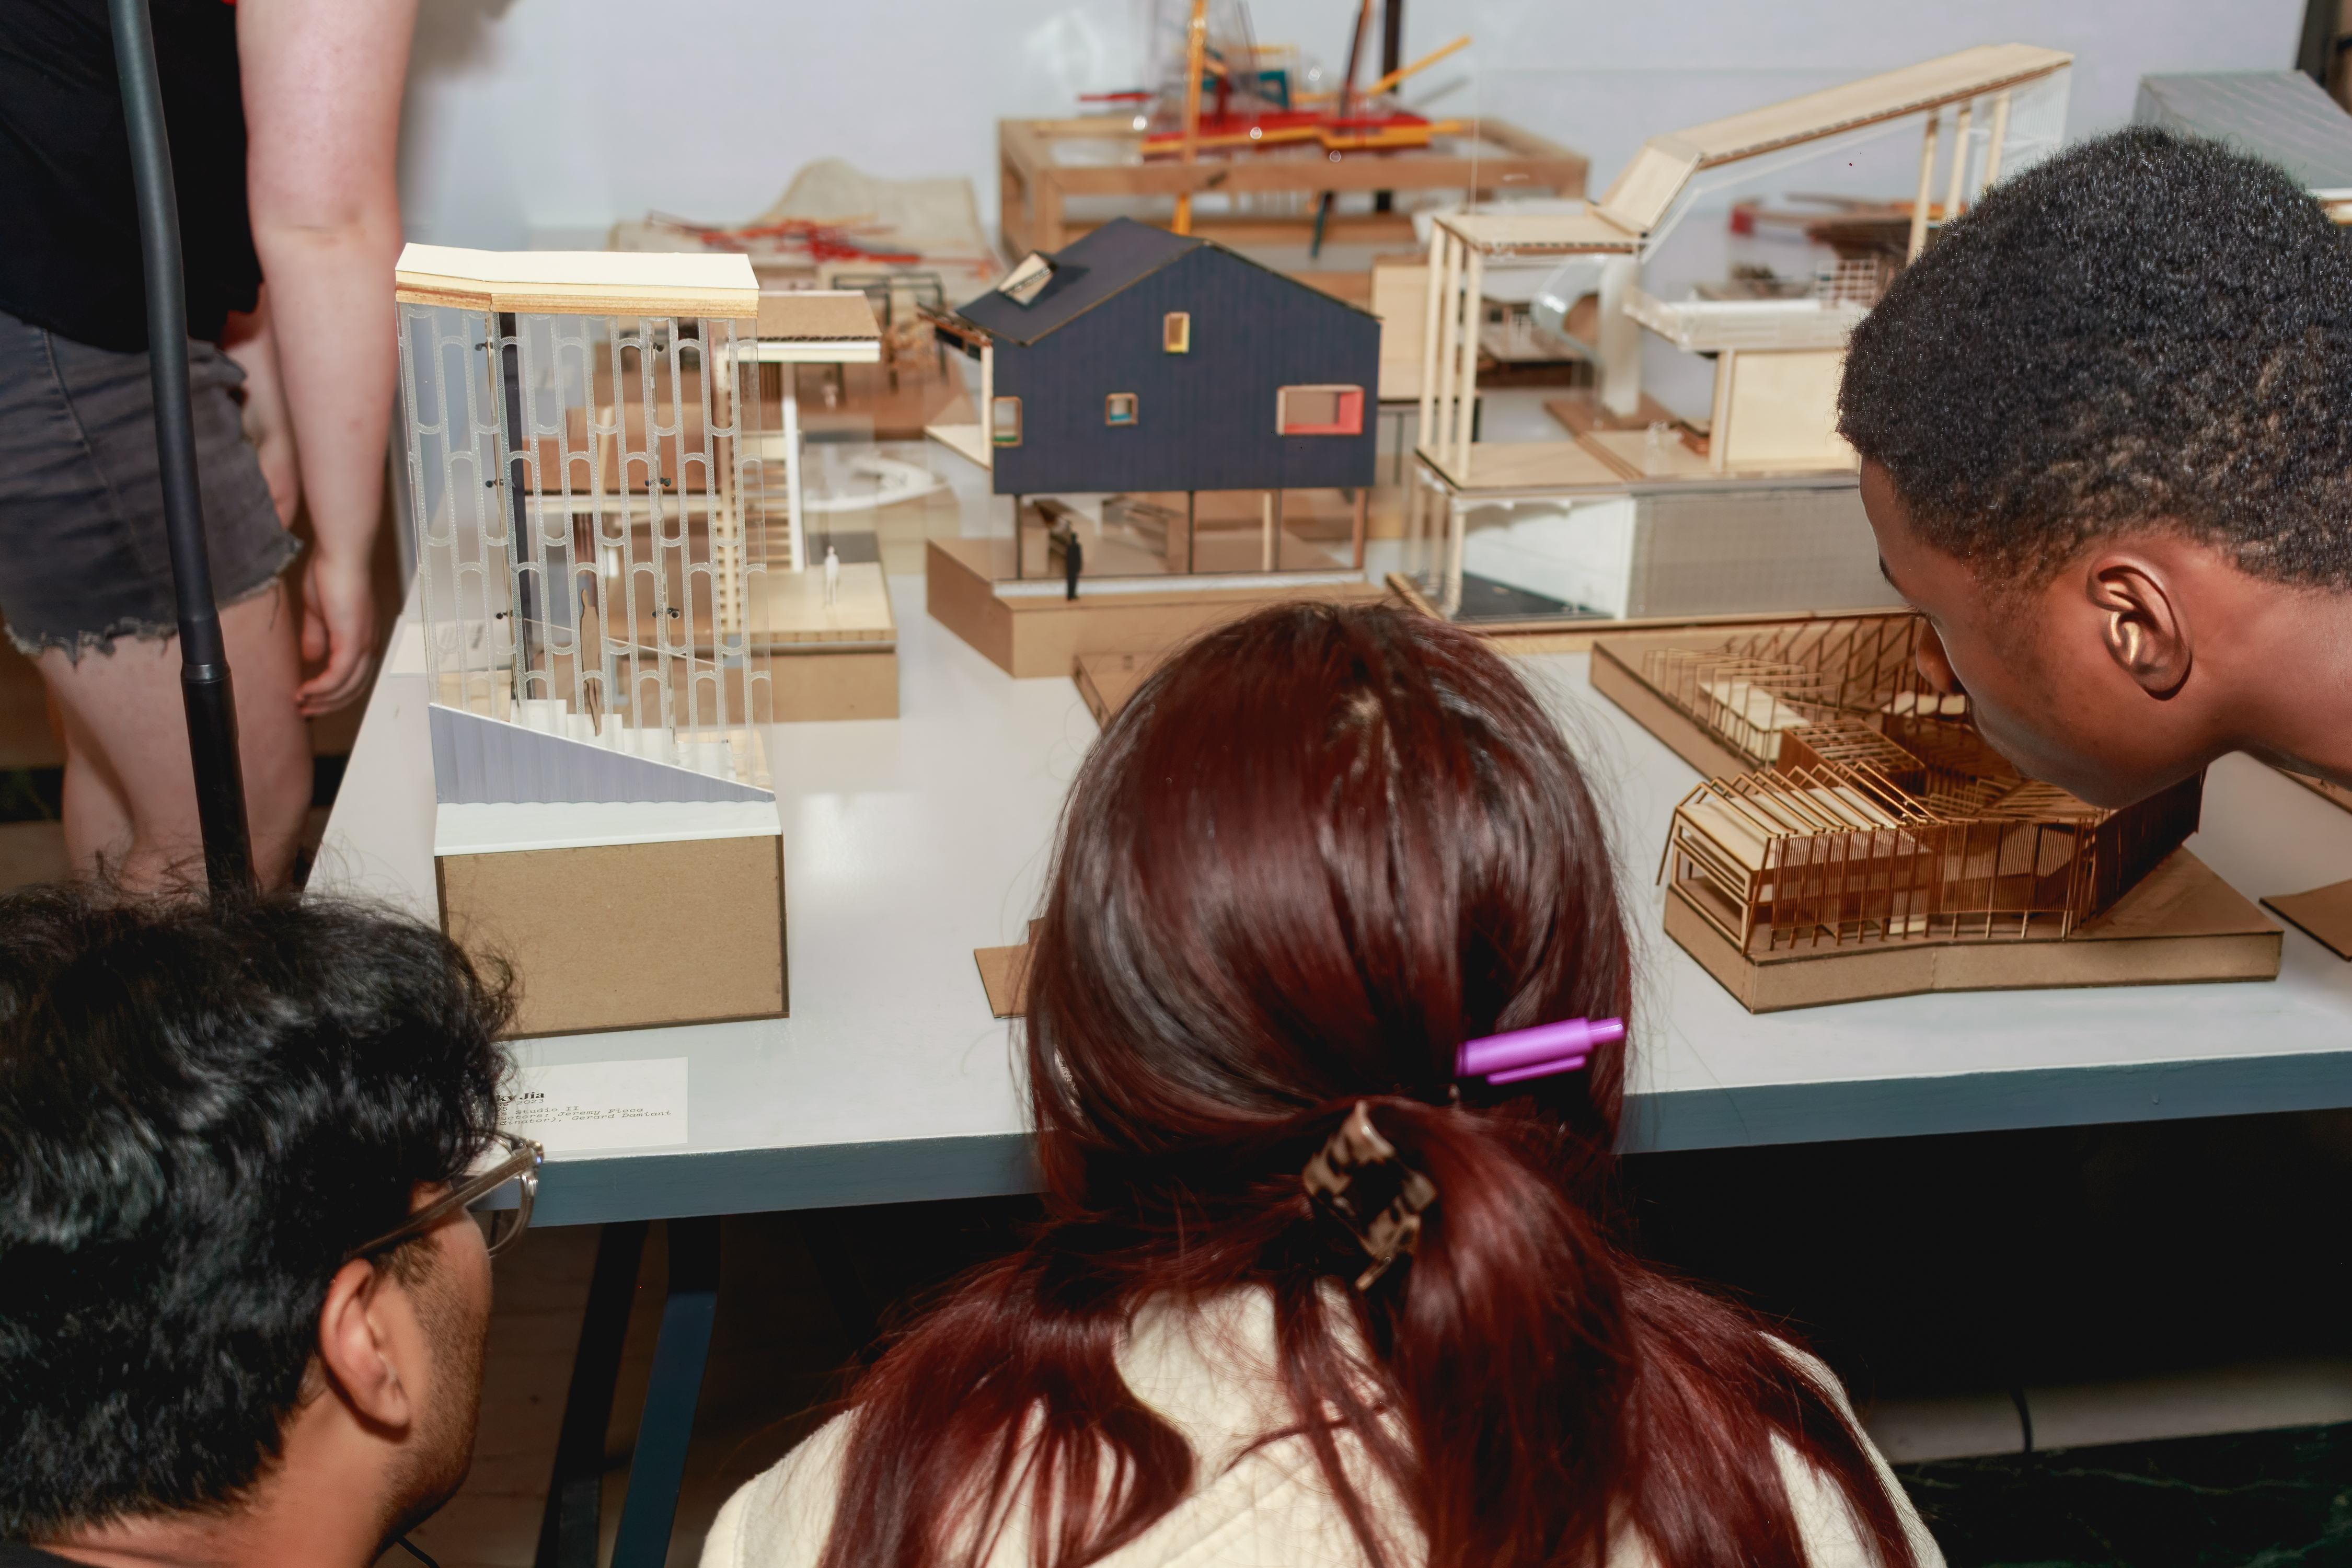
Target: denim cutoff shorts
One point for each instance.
(84, 558)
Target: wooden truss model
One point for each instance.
(1858, 838)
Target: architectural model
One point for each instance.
(588, 477)
(1217, 417)
(1761, 486)
(1857, 838)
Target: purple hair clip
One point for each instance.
(1539, 1052)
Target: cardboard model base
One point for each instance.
(2181, 926)
(1042, 632)
(621, 935)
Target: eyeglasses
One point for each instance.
(521, 1166)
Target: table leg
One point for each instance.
(658, 1462)
(569, 1528)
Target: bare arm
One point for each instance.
(248, 340)
(323, 87)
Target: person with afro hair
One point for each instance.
(2106, 427)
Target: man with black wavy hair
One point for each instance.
(2106, 423)
(218, 1343)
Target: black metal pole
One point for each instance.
(204, 686)
(523, 545)
(1392, 57)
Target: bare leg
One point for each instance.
(129, 799)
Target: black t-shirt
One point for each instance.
(17, 1554)
(68, 225)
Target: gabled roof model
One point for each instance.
(1113, 259)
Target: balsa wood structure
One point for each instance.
(1777, 363)
(1044, 162)
(1858, 838)
(834, 655)
(587, 476)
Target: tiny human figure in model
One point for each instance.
(1325, 1058)
(2106, 454)
(832, 575)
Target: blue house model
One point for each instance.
(1140, 360)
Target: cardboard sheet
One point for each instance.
(1004, 976)
(2323, 914)
(626, 936)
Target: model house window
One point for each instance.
(1176, 333)
(1004, 421)
(1118, 408)
(1320, 410)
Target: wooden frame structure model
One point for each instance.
(1857, 838)
(832, 637)
(1777, 363)
(1037, 183)
(584, 448)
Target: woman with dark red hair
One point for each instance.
(1320, 1279)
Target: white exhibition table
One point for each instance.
(908, 843)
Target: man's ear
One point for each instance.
(2141, 621)
(356, 1348)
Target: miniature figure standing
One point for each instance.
(832, 575)
(284, 118)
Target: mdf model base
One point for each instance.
(608, 927)
(1037, 632)
(1108, 680)
(836, 660)
(2182, 925)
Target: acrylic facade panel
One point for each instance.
(592, 511)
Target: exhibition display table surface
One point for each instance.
(910, 842)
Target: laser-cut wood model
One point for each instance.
(1046, 163)
(588, 477)
(1770, 437)
(1857, 838)
(1218, 417)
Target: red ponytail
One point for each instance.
(1318, 850)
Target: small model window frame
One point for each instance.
(1176, 333)
(1347, 411)
(998, 407)
(1122, 410)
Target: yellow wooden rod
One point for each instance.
(1196, 48)
(1426, 61)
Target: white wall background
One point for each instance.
(547, 119)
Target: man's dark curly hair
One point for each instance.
(2146, 330)
(202, 1108)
